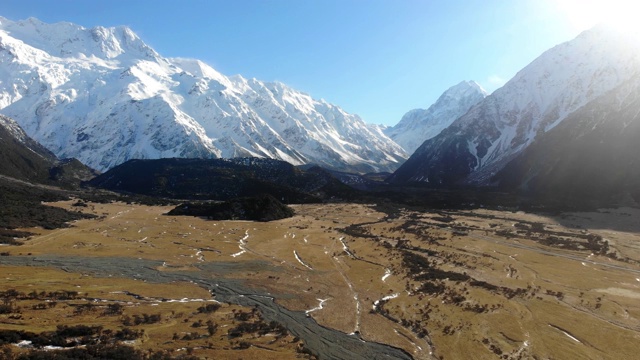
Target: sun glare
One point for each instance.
(584, 14)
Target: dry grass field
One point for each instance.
(482, 284)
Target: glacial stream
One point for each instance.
(324, 342)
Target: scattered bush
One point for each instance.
(209, 308)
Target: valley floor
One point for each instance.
(398, 283)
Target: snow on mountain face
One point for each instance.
(103, 96)
(591, 155)
(68, 40)
(419, 125)
(538, 98)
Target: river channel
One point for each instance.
(324, 342)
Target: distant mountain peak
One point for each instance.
(419, 125)
(464, 87)
(200, 69)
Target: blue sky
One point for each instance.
(376, 58)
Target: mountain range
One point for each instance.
(103, 96)
(566, 124)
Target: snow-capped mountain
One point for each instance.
(103, 96)
(419, 125)
(589, 157)
(537, 99)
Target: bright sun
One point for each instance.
(584, 14)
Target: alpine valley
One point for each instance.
(230, 218)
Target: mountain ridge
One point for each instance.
(104, 97)
(222, 179)
(589, 157)
(541, 95)
(24, 159)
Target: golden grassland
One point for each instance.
(518, 296)
(182, 327)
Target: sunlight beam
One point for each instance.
(584, 14)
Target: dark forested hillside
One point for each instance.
(20, 156)
(222, 179)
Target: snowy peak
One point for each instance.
(459, 96)
(419, 125)
(463, 89)
(103, 96)
(69, 40)
(572, 73)
(199, 69)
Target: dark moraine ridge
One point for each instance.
(259, 208)
(324, 342)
